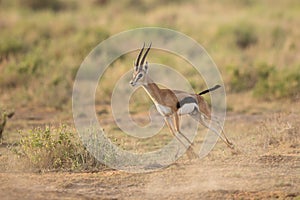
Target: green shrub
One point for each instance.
(265, 81)
(45, 4)
(55, 149)
(9, 46)
(100, 2)
(241, 78)
(21, 73)
(278, 84)
(145, 5)
(278, 36)
(245, 35)
(239, 35)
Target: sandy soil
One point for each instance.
(260, 177)
(249, 173)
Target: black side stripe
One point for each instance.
(186, 100)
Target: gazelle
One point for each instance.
(173, 103)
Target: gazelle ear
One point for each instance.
(146, 67)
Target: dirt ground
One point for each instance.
(254, 171)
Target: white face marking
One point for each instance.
(187, 108)
(138, 77)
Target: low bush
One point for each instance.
(278, 36)
(239, 35)
(278, 84)
(241, 78)
(45, 4)
(10, 46)
(55, 149)
(245, 35)
(265, 81)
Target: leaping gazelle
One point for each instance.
(173, 103)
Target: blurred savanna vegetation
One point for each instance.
(42, 43)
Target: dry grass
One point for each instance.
(254, 45)
(280, 132)
(249, 34)
(51, 148)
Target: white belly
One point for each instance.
(187, 108)
(163, 110)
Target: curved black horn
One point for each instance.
(144, 57)
(139, 56)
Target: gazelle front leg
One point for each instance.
(190, 151)
(177, 127)
(169, 123)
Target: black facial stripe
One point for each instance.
(139, 76)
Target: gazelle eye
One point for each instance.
(140, 75)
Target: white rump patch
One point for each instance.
(187, 108)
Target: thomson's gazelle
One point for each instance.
(173, 103)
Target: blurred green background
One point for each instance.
(255, 43)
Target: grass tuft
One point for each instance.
(279, 132)
(52, 148)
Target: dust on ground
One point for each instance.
(254, 171)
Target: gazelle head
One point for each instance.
(140, 69)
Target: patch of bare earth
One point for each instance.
(236, 177)
(259, 169)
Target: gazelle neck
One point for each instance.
(152, 90)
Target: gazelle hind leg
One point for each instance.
(223, 136)
(222, 130)
(201, 119)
